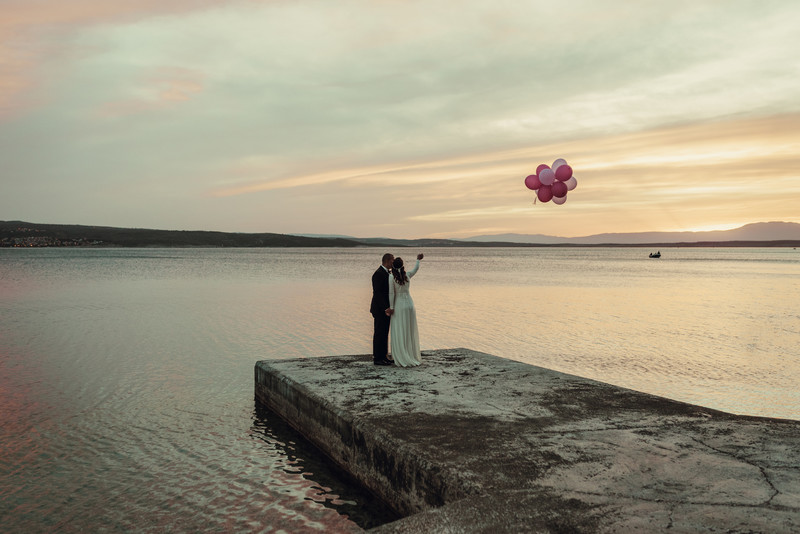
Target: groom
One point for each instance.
(379, 308)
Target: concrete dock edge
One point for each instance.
(470, 442)
(387, 466)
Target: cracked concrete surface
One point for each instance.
(470, 442)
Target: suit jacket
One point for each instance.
(380, 292)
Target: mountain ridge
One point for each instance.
(760, 231)
(25, 234)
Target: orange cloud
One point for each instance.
(714, 155)
(32, 29)
(721, 174)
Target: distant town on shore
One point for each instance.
(19, 234)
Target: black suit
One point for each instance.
(380, 301)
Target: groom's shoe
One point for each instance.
(382, 362)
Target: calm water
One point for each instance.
(126, 376)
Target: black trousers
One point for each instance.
(380, 339)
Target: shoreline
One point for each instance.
(705, 244)
(21, 234)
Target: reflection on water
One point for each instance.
(126, 376)
(327, 485)
(711, 327)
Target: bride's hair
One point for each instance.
(399, 271)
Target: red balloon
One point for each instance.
(532, 182)
(563, 173)
(559, 189)
(545, 193)
(541, 167)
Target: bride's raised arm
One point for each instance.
(413, 271)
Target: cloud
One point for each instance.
(392, 86)
(668, 178)
(491, 212)
(281, 114)
(409, 172)
(33, 31)
(164, 87)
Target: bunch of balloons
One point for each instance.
(552, 183)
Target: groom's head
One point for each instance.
(387, 260)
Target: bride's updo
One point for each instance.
(399, 271)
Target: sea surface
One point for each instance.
(126, 375)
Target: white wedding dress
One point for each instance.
(403, 328)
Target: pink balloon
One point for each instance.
(541, 167)
(547, 177)
(559, 189)
(572, 183)
(545, 193)
(558, 163)
(559, 200)
(532, 182)
(563, 173)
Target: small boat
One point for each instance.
(655, 254)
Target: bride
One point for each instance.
(405, 336)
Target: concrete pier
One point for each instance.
(469, 442)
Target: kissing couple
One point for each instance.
(393, 310)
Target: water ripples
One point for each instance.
(126, 389)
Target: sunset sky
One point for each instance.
(402, 119)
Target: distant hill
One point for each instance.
(386, 241)
(25, 234)
(760, 232)
(531, 239)
(19, 233)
